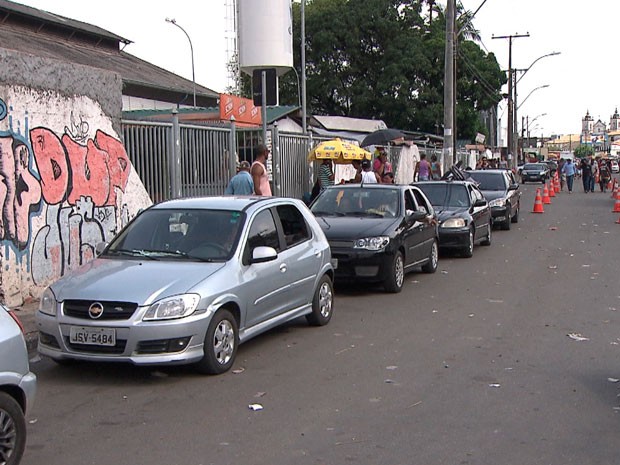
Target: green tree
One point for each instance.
(584, 150)
(384, 59)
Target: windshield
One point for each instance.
(203, 235)
(445, 194)
(535, 167)
(382, 203)
(489, 181)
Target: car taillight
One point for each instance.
(19, 323)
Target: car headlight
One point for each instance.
(454, 223)
(372, 243)
(178, 306)
(48, 303)
(497, 203)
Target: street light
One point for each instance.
(174, 21)
(531, 92)
(534, 62)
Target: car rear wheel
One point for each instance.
(322, 303)
(468, 250)
(433, 259)
(487, 239)
(12, 430)
(396, 274)
(220, 345)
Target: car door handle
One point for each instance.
(283, 267)
(317, 253)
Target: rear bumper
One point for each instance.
(453, 238)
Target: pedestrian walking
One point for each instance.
(242, 182)
(586, 174)
(259, 172)
(604, 176)
(568, 171)
(326, 175)
(435, 168)
(595, 176)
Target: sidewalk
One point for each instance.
(26, 313)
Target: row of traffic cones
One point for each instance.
(547, 193)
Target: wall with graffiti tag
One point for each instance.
(66, 185)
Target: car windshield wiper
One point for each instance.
(180, 253)
(132, 253)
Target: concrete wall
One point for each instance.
(66, 181)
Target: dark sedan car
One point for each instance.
(463, 212)
(537, 172)
(378, 232)
(501, 190)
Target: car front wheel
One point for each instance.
(396, 274)
(508, 220)
(515, 217)
(12, 430)
(468, 250)
(322, 303)
(487, 239)
(433, 259)
(220, 345)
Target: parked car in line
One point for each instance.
(188, 280)
(378, 232)
(18, 387)
(463, 212)
(501, 190)
(615, 167)
(537, 172)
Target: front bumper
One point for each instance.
(177, 341)
(453, 238)
(28, 385)
(532, 177)
(499, 214)
(362, 265)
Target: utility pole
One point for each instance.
(512, 146)
(448, 89)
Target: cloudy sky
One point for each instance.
(582, 78)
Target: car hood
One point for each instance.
(351, 227)
(443, 213)
(142, 282)
(492, 195)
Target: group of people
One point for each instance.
(591, 170)
(251, 179)
(427, 171)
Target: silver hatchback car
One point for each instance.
(18, 386)
(188, 280)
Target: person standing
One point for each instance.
(568, 171)
(259, 172)
(368, 175)
(435, 168)
(422, 169)
(326, 175)
(380, 164)
(242, 182)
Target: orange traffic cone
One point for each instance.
(551, 189)
(614, 186)
(545, 197)
(617, 205)
(538, 204)
(558, 187)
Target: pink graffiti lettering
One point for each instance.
(51, 160)
(118, 163)
(90, 175)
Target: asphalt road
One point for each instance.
(471, 365)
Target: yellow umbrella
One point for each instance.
(339, 151)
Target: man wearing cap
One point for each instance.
(242, 182)
(368, 175)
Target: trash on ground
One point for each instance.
(553, 267)
(33, 421)
(444, 272)
(255, 407)
(238, 371)
(391, 367)
(416, 404)
(495, 301)
(578, 337)
(35, 359)
(260, 394)
(613, 380)
(495, 385)
(553, 228)
(389, 381)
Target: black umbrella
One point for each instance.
(382, 137)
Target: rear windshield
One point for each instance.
(445, 194)
(535, 166)
(489, 181)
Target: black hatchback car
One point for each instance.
(463, 212)
(378, 232)
(537, 172)
(501, 190)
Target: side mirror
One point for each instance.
(100, 247)
(417, 215)
(480, 203)
(263, 254)
(513, 187)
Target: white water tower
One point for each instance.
(265, 30)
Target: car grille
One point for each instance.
(111, 310)
(119, 348)
(340, 244)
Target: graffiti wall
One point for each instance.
(67, 184)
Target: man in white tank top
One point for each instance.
(368, 175)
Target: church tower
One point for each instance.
(587, 124)
(614, 122)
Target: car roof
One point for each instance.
(224, 202)
(368, 186)
(445, 181)
(494, 171)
